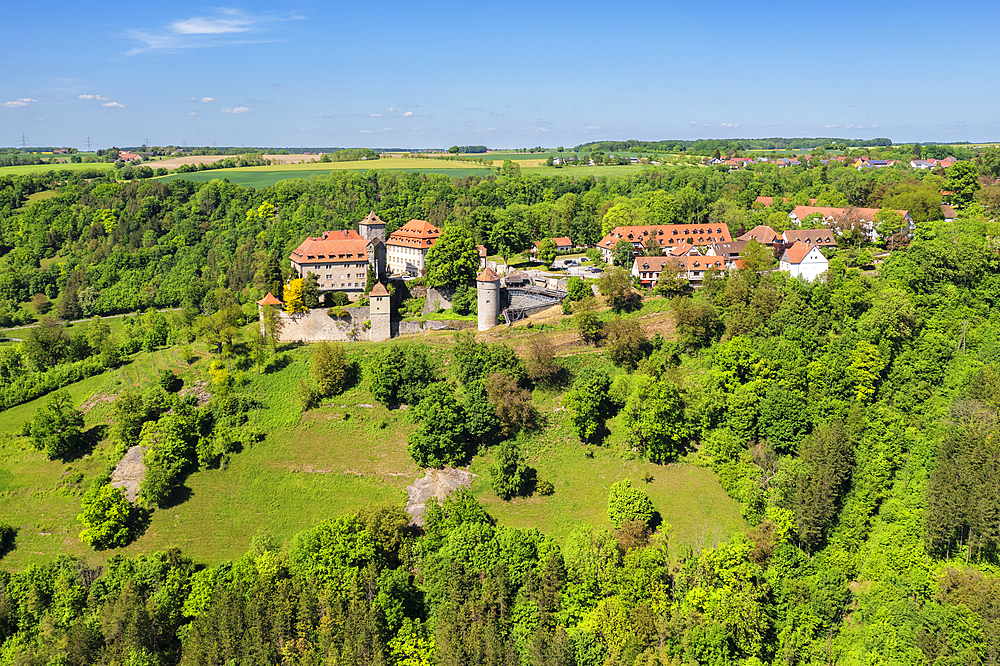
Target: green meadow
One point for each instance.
(347, 454)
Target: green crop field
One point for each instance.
(24, 169)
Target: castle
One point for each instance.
(341, 260)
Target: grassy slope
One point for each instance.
(333, 460)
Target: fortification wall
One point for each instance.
(438, 298)
(317, 326)
(415, 327)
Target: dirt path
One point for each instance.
(129, 473)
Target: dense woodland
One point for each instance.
(854, 419)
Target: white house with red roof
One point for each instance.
(863, 218)
(803, 261)
(407, 247)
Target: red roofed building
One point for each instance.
(817, 237)
(842, 218)
(666, 236)
(762, 234)
(407, 247)
(340, 259)
(693, 268)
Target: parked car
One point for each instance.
(584, 260)
(569, 262)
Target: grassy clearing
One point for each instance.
(689, 499)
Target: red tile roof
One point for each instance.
(378, 290)
(488, 275)
(415, 233)
(270, 299)
(948, 212)
(867, 214)
(762, 234)
(333, 246)
(797, 252)
(820, 237)
(372, 218)
(668, 234)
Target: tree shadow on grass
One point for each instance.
(86, 442)
(177, 496)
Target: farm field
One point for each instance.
(24, 169)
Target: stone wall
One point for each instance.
(438, 298)
(414, 327)
(317, 326)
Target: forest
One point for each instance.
(854, 420)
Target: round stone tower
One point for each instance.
(488, 298)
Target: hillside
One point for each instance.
(764, 469)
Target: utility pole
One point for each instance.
(88, 143)
(24, 141)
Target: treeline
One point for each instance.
(350, 155)
(467, 149)
(726, 146)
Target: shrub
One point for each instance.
(509, 472)
(587, 323)
(170, 382)
(336, 298)
(626, 503)
(105, 516)
(545, 488)
(626, 342)
(330, 368)
(577, 289)
(399, 373)
(442, 437)
(57, 427)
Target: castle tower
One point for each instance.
(372, 227)
(380, 313)
(488, 298)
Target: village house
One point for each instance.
(341, 259)
(728, 253)
(817, 237)
(691, 268)
(563, 244)
(863, 218)
(128, 156)
(407, 247)
(665, 235)
(803, 261)
(762, 234)
(949, 213)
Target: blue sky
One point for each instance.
(508, 74)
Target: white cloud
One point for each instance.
(203, 100)
(542, 129)
(232, 20)
(376, 115)
(85, 97)
(391, 110)
(236, 111)
(191, 113)
(729, 124)
(18, 103)
(206, 31)
(101, 98)
(408, 114)
(386, 129)
(365, 131)
(591, 127)
(114, 105)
